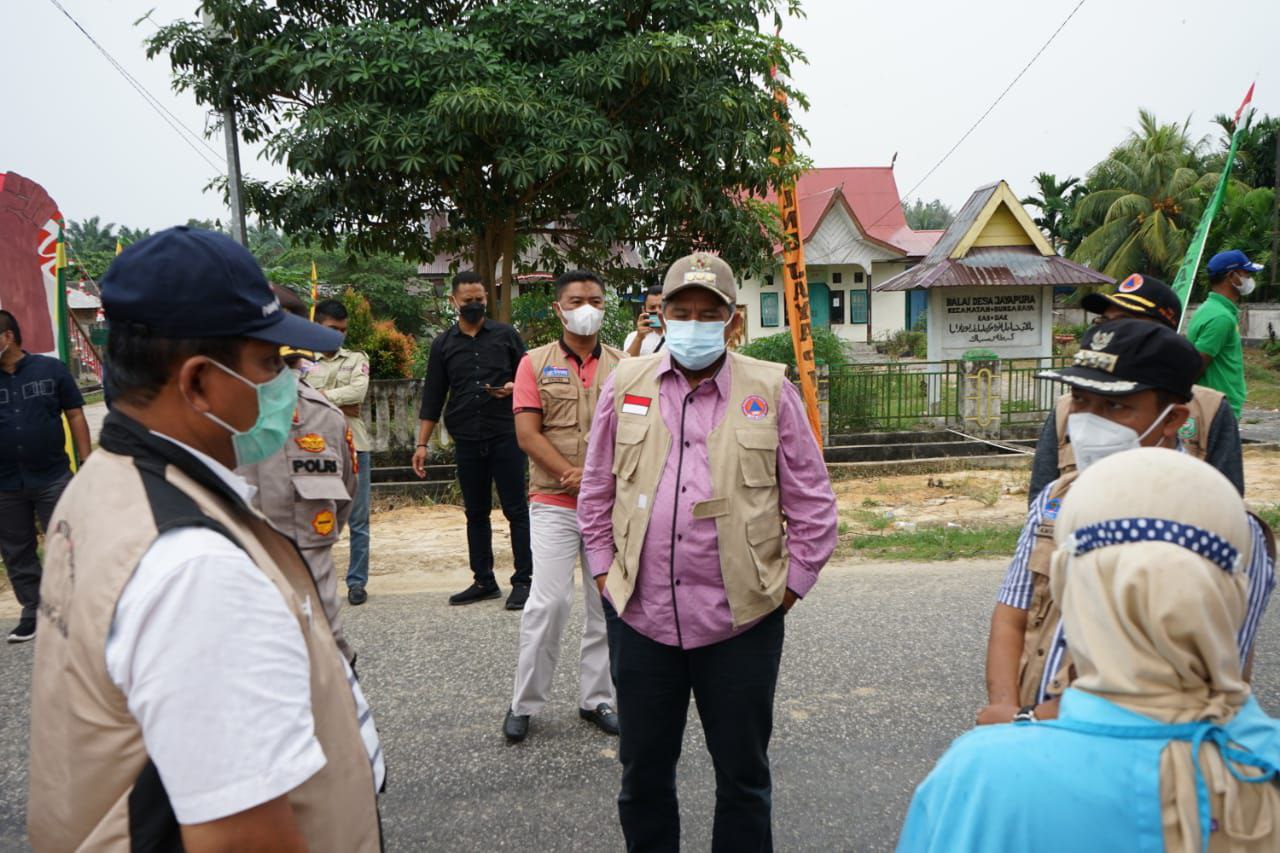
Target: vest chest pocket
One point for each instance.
(758, 457)
(627, 446)
(559, 404)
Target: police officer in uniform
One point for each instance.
(305, 490)
(1211, 431)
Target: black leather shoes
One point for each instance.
(475, 593)
(604, 717)
(356, 595)
(519, 595)
(515, 726)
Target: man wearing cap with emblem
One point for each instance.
(1130, 383)
(1210, 433)
(305, 490)
(1160, 744)
(706, 512)
(1215, 327)
(187, 690)
(343, 378)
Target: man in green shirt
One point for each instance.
(1215, 327)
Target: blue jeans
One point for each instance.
(358, 564)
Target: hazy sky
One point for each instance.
(882, 77)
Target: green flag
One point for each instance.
(1195, 251)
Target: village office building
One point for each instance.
(855, 234)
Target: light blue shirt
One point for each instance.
(1051, 787)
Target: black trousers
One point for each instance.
(18, 513)
(733, 684)
(481, 466)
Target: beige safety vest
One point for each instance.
(567, 407)
(743, 450)
(91, 780)
(1042, 618)
(1204, 406)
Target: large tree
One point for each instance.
(929, 216)
(442, 126)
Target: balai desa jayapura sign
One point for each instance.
(1015, 322)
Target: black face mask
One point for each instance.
(472, 312)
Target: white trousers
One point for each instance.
(557, 548)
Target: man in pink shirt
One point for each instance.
(555, 396)
(706, 513)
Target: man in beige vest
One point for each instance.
(305, 490)
(1130, 385)
(707, 513)
(187, 691)
(1210, 432)
(556, 390)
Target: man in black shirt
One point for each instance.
(473, 365)
(35, 392)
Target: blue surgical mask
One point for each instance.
(694, 344)
(277, 400)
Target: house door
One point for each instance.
(917, 305)
(819, 306)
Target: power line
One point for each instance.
(186, 134)
(986, 113)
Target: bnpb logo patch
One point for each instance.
(755, 408)
(1130, 284)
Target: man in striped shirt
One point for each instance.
(1130, 383)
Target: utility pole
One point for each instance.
(233, 173)
(232, 139)
(1275, 219)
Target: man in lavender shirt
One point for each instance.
(706, 513)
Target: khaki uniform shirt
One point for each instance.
(344, 379)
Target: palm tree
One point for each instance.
(1055, 206)
(89, 235)
(1144, 202)
(1256, 157)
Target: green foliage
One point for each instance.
(905, 343)
(1255, 164)
(391, 352)
(828, 348)
(927, 217)
(90, 235)
(359, 320)
(439, 127)
(1144, 202)
(1057, 202)
(536, 320)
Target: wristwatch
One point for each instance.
(1026, 714)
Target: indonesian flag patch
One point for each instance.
(633, 405)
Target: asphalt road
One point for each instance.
(882, 668)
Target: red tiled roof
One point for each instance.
(872, 195)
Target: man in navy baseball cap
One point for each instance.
(1141, 296)
(1215, 327)
(171, 606)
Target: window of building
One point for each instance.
(857, 278)
(858, 306)
(837, 277)
(837, 305)
(768, 281)
(769, 309)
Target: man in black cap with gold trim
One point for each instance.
(1130, 385)
(1210, 432)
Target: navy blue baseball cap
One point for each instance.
(1234, 259)
(188, 283)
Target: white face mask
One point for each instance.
(584, 320)
(1093, 437)
(1245, 287)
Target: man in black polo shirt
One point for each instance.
(473, 364)
(35, 391)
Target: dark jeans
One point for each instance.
(733, 683)
(18, 513)
(481, 466)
